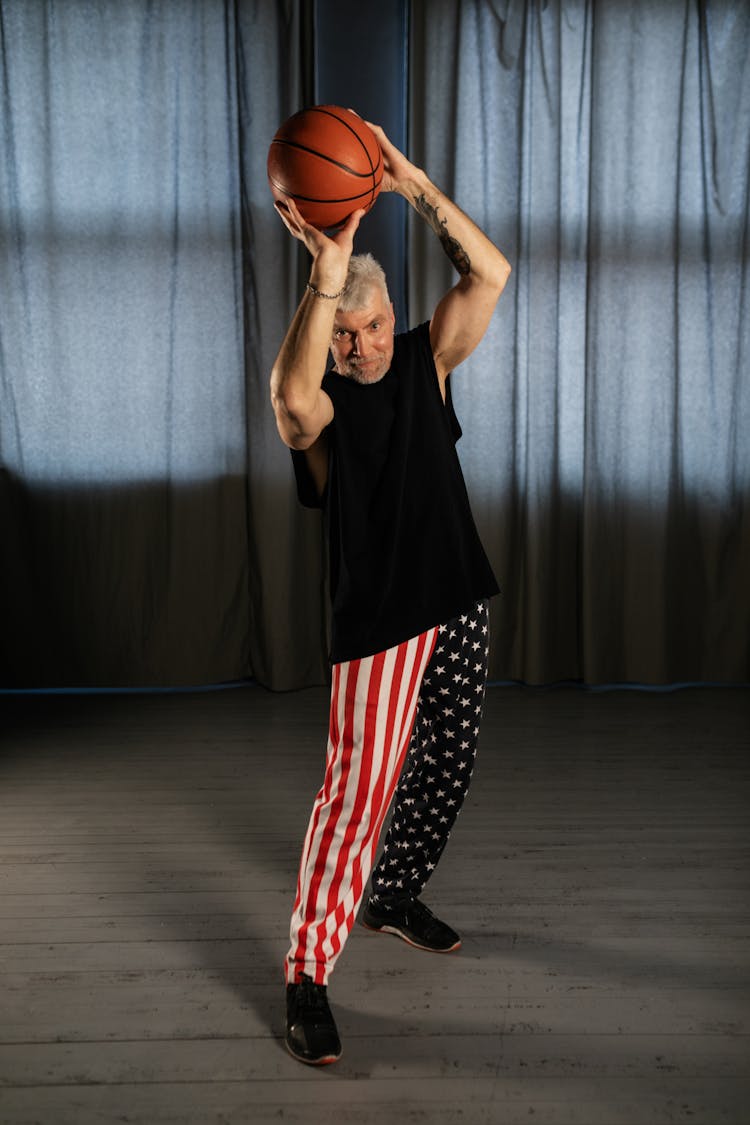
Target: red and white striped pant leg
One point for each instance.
(373, 705)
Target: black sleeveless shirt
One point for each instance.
(404, 551)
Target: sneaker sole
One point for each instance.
(410, 940)
(324, 1060)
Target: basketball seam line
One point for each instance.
(328, 159)
(335, 116)
(317, 199)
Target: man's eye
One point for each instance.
(375, 325)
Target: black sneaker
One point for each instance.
(410, 919)
(311, 1034)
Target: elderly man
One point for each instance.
(373, 443)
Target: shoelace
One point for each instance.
(423, 912)
(311, 995)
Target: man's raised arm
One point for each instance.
(463, 314)
(302, 408)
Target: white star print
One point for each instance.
(457, 664)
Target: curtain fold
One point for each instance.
(287, 621)
(123, 448)
(146, 282)
(605, 147)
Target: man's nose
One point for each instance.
(360, 343)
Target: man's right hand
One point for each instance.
(331, 253)
(302, 408)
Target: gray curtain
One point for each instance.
(605, 146)
(145, 284)
(150, 533)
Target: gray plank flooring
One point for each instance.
(598, 874)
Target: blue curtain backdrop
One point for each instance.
(605, 146)
(150, 531)
(146, 284)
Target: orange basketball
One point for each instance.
(328, 161)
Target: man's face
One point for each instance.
(362, 341)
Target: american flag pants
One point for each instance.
(403, 721)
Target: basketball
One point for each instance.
(328, 161)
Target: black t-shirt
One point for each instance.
(405, 554)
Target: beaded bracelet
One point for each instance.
(317, 293)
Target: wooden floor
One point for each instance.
(598, 874)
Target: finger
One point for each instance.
(295, 213)
(354, 219)
(282, 211)
(291, 218)
(378, 130)
(350, 226)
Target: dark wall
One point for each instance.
(361, 61)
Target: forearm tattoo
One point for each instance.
(451, 245)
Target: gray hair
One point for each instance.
(365, 274)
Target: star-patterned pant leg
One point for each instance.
(438, 769)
